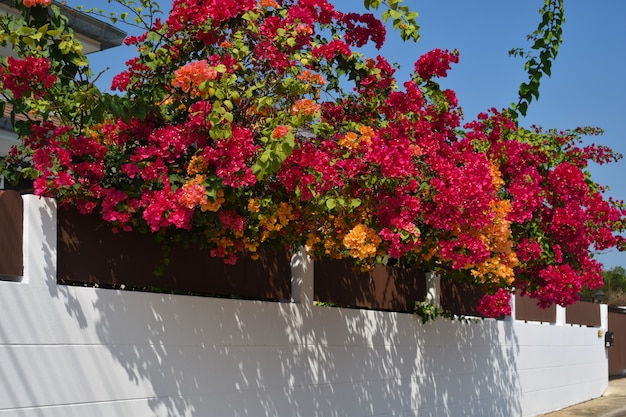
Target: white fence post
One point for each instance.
(560, 316)
(40, 239)
(433, 288)
(302, 291)
(604, 317)
(513, 313)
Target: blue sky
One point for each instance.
(587, 87)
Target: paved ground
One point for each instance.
(611, 404)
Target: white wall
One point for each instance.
(74, 351)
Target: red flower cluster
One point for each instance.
(495, 305)
(196, 14)
(436, 63)
(27, 76)
(32, 3)
(357, 35)
(553, 202)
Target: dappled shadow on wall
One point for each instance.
(373, 363)
(189, 355)
(197, 356)
(202, 356)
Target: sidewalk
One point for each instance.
(611, 404)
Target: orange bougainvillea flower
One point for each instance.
(192, 194)
(305, 106)
(416, 150)
(367, 132)
(350, 140)
(311, 77)
(498, 182)
(268, 3)
(254, 206)
(189, 77)
(215, 204)
(197, 165)
(303, 28)
(280, 131)
(362, 242)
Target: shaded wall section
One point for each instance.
(11, 235)
(460, 298)
(583, 313)
(384, 288)
(526, 309)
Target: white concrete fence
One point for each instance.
(77, 351)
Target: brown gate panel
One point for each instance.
(89, 253)
(617, 353)
(583, 313)
(385, 288)
(526, 309)
(11, 236)
(460, 298)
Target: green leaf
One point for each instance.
(356, 202)
(523, 108)
(80, 61)
(523, 90)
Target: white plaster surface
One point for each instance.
(74, 351)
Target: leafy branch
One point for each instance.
(546, 42)
(142, 12)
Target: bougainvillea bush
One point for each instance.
(253, 123)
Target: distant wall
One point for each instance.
(78, 351)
